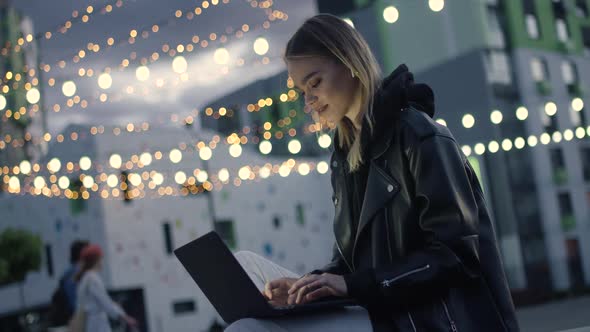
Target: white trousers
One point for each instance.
(262, 270)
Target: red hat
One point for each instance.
(91, 251)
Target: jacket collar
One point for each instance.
(376, 138)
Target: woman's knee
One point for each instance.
(244, 255)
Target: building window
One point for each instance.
(574, 263)
(558, 9)
(49, 260)
(563, 33)
(498, 67)
(300, 214)
(228, 119)
(539, 69)
(581, 8)
(532, 26)
(578, 118)
(78, 205)
(558, 165)
(540, 74)
(167, 231)
(549, 122)
(569, 73)
(586, 39)
(276, 222)
(562, 30)
(566, 210)
(495, 28)
(530, 18)
(183, 307)
(126, 186)
(225, 229)
(585, 154)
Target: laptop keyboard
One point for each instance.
(286, 307)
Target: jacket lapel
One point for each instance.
(342, 223)
(380, 189)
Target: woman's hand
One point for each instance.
(276, 291)
(314, 286)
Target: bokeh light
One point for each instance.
(68, 88)
(390, 14)
(261, 46)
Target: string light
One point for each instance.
(496, 117)
(105, 81)
(261, 46)
(116, 131)
(550, 108)
(390, 14)
(436, 5)
(492, 147)
(522, 113)
(264, 146)
(468, 121)
(179, 66)
(76, 17)
(272, 15)
(70, 88)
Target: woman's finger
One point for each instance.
(301, 293)
(321, 282)
(268, 290)
(319, 293)
(304, 290)
(302, 282)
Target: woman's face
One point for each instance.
(328, 87)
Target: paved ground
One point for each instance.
(572, 315)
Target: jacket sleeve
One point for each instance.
(336, 266)
(447, 216)
(98, 292)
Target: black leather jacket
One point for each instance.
(424, 255)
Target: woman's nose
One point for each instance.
(309, 99)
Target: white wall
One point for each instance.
(52, 220)
(132, 237)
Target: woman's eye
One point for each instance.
(315, 85)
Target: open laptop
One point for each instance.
(229, 288)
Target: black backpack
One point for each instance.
(59, 310)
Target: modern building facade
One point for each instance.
(22, 122)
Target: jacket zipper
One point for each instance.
(388, 282)
(343, 257)
(388, 234)
(451, 321)
(412, 322)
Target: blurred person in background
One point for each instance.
(63, 300)
(92, 297)
(415, 243)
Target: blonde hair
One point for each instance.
(329, 36)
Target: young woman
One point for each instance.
(415, 244)
(92, 297)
